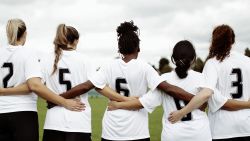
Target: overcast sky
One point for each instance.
(162, 23)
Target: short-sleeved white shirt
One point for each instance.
(231, 78)
(73, 69)
(192, 128)
(18, 64)
(131, 79)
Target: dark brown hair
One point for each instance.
(222, 39)
(65, 35)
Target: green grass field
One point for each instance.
(98, 105)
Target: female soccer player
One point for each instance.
(129, 76)
(18, 116)
(229, 72)
(194, 126)
(62, 70)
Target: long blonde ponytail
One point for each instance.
(15, 29)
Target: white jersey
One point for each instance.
(72, 70)
(232, 78)
(18, 64)
(195, 125)
(130, 79)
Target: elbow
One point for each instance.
(166, 87)
(33, 86)
(207, 93)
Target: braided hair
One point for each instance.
(65, 36)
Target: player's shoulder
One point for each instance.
(141, 62)
(195, 73)
(168, 76)
(240, 56)
(3, 50)
(196, 76)
(28, 51)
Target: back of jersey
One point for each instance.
(129, 79)
(195, 125)
(18, 64)
(233, 82)
(72, 70)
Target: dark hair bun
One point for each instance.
(126, 27)
(183, 56)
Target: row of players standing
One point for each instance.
(131, 76)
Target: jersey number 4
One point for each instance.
(9, 75)
(61, 78)
(118, 87)
(178, 106)
(238, 83)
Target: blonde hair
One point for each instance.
(15, 29)
(65, 36)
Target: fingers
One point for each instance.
(172, 118)
(75, 105)
(78, 108)
(112, 106)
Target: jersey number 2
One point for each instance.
(118, 87)
(61, 78)
(178, 106)
(237, 83)
(8, 76)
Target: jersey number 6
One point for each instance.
(118, 87)
(178, 106)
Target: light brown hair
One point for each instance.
(65, 36)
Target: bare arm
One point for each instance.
(21, 89)
(36, 86)
(127, 105)
(175, 91)
(234, 105)
(195, 103)
(113, 95)
(78, 90)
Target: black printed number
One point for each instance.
(9, 75)
(238, 83)
(178, 106)
(61, 78)
(118, 87)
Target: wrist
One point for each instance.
(248, 105)
(118, 105)
(2, 91)
(63, 102)
(124, 98)
(183, 111)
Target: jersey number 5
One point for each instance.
(238, 83)
(9, 75)
(178, 106)
(118, 87)
(61, 78)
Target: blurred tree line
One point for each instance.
(164, 64)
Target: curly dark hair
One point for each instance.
(222, 39)
(128, 40)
